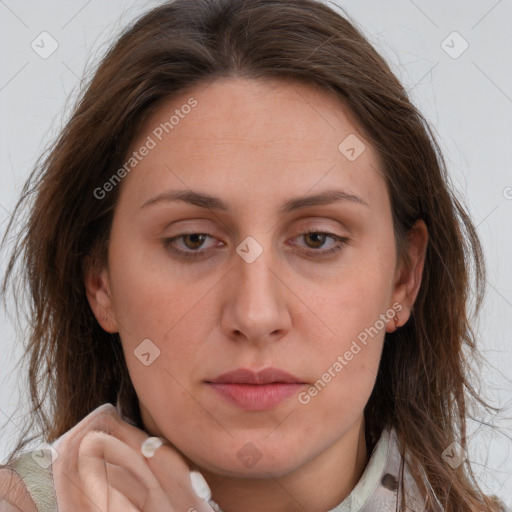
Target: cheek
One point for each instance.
(355, 308)
(346, 370)
(150, 300)
(354, 299)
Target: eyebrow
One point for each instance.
(215, 203)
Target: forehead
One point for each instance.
(269, 138)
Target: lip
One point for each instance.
(265, 376)
(256, 391)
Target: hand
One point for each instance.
(100, 467)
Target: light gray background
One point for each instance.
(467, 99)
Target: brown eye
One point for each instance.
(191, 245)
(318, 239)
(196, 240)
(315, 241)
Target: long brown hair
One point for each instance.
(423, 385)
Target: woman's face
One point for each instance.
(227, 277)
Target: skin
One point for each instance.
(256, 145)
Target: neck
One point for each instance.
(319, 485)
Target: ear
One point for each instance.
(98, 292)
(408, 275)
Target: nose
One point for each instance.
(255, 307)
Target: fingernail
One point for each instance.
(200, 486)
(150, 445)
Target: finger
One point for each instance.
(126, 483)
(118, 501)
(168, 466)
(95, 420)
(97, 448)
(103, 419)
(173, 475)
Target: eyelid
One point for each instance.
(340, 242)
(168, 240)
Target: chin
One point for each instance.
(250, 462)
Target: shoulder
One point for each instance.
(14, 495)
(26, 482)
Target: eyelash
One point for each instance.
(342, 241)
